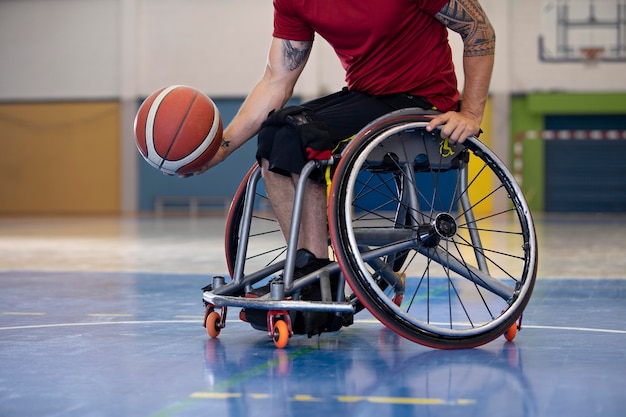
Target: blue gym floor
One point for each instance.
(102, 317)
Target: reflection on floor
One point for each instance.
(102, 317)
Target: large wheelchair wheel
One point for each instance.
(265, 242)
(436, 240)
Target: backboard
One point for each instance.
(585, 31)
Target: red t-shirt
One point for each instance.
(385, 46)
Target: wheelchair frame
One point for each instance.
(371, 258)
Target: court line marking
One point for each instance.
(219, 391)
(22, 313)
(533, 326)
(206, 395)
(576, 329)
(95, 323)
(405, 400)
(362, 321)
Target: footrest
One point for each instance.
(269, 304)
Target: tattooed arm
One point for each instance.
(285, 63)
(467, 18)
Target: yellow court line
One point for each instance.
(204, 395)
(306, 398)
(465, 402)
(402, 400)
(259, 396)
(350, 399)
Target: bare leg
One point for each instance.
(313, 225)
(281, 192)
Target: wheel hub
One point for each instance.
(442, 227)
(445, 225)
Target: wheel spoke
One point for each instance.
(411, 222)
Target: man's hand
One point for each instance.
(456, 126)
(196, 172)
(222, 153)
(191, 174)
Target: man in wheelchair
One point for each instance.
(396, 55)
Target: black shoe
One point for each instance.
(312, 323)
(303, 322)
(317, 322)
(305, 264)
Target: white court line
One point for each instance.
(364, 321)
(576, 329)
(101, 323)
(531, 326)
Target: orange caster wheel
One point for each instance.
(281, 334)
(213, 324)
(510, 334)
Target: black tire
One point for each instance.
(445, 275)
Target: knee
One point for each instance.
(264, 166)
(266, 173)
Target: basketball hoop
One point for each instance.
(591, 54)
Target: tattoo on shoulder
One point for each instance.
(296, 53)
(467, 18)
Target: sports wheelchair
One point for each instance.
(434, 239)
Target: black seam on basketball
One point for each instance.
(180, 126)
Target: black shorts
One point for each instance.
(331, 119)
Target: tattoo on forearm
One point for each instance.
(296, 53)
(467, 18)
(225, 143)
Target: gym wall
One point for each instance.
(59, 158)
(570, 150)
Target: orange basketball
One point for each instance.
(178, 129)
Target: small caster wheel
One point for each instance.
(212, 324)
(510, 334)
(281, 334)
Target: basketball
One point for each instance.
(178, 129)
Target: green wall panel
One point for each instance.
(528, 113)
